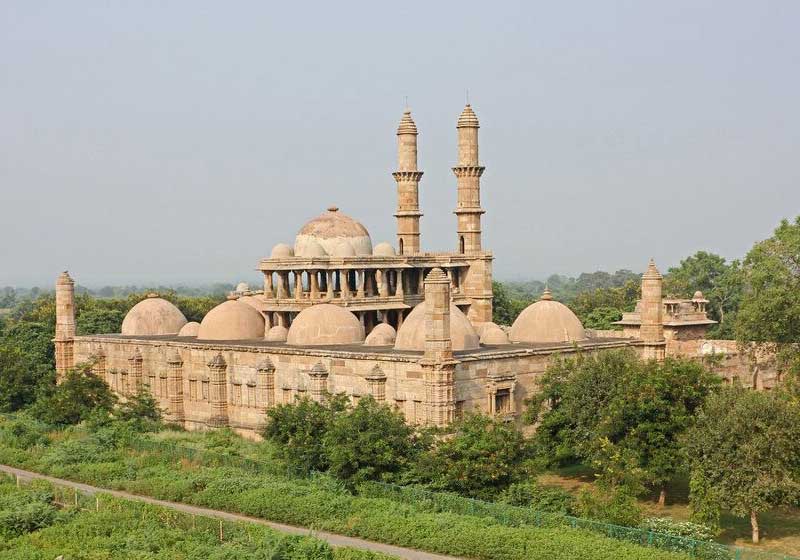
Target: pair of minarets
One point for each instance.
(468, 174)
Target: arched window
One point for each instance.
(461, 244)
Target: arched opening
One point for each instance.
(461, 244)
(401, 247)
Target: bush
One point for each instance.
(539, 498)
(78, 395)
(669, 526)
(23, 432)
(610, 505)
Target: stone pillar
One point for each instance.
(383, 287)
(652, 329)
(136, 374)
(175, 386)
(99, 365)
(282, 283)
(268, 289)
(399, 283)
(376, 380)
(407, 178)
(265, 397)
(330, 283)
(64, 340)
(298, 284)
(361, 278)
(319, 382)
(218, 391)
(437, 362)
(313, 282)
(344, 284)
(468, 174)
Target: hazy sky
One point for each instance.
(179, 141)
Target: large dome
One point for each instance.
(547, 321)
(411, 335)
(153, 316)
(332, 230)
(232, 320)
(324, 324)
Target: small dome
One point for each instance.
(411, 335)
(382, 335)
(232, 321)
(325, 324)
(277, 334)
(153, 316)
(547, 321)
(384, 250)
(190, 329)
(698, 295)
(242, 287)
(281, 251)
(343, 248)
(252, 301)
(492, 334)
(309, 248)
(331, 227)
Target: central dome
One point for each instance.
(335, 233)
(411, 335)
(547, 321)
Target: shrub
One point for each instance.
(74, 399)
(669, 526)
(540, 498)
(610, 505)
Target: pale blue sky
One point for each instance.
(178, 141)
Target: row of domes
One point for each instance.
(545, 321)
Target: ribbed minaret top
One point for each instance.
(546, 295)
(468, 119)
(652, 271)
(437, 275)
(407, 125)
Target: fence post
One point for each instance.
(221, 533)
(76, 496)
(17, 477)
(96, 502)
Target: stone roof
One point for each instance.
(325, 324)
(153, 316)
(232, 320)
(189, 329)
(333, 231)
(547, 321)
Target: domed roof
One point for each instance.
(252, 301)
(189, 329)
(277, 334)
(491, 334)
(384, 250)
(153, 316)
(411, 335)
(382, 335)
(281, 251)
(242, 287)
(331, 227)
(547, 321)
(342, 248)
(325, 324)
(311, 248)
(232, 320)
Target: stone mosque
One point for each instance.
(338, 315)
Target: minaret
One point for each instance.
(469, 173)
(65, 324)
(407, 177)
(437, 362)
(652, 328)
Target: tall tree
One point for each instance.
(745, 455)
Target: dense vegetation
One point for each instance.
(33, 526)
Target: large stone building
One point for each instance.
(409, 327)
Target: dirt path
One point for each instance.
(332, 538)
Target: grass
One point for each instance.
(780, 528)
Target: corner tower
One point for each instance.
(468, 173)
(407, 177)
(652, 328)
(65, 324)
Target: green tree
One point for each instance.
(745, 455)
(18, 380)
(370, 442)
(80, 394)
(141, 409)
(480, 460)
(603, 318)
(99, 321)
(299, 430)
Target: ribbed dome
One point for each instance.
(277, 334)
(547, 321)
(384, 249)
(407, 125)
(325, 324)
(153, 316)
(329, 229)
(190, 329)
(468, 118)
(411, 335)
(232, 321)
(281, 251)
(382, 335)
